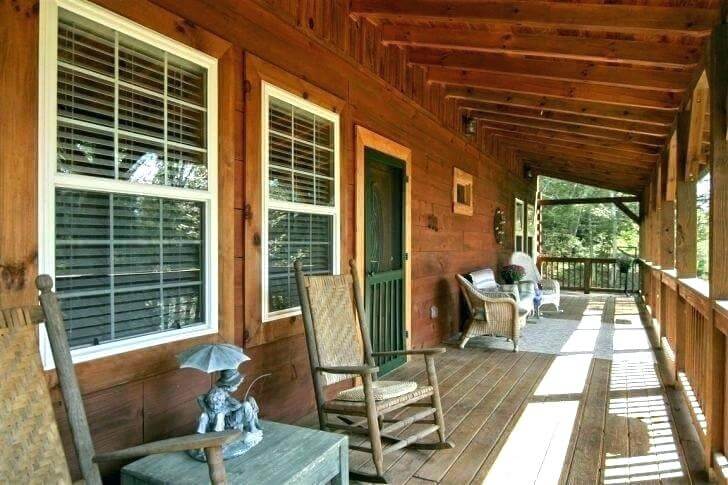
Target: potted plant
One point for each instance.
(513, 273)
(624, 263)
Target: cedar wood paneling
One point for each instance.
(140, 396)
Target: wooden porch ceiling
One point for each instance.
(585, 90)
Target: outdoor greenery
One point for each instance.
(703, 204)
(588, 230)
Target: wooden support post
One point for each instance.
(718, 82)
(686, 233)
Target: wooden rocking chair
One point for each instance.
(29, 437)
(339, 348)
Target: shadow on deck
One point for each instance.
(581, 403)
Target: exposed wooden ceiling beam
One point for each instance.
(597, 143)
(565, 70)
(556, 88)
(645, 54)
(535, 113)
(585, 164)
(587, 200)
(590, 168)
(559, 149)
(591, 108)
(632, 18)
(620, 186)
(577, 129)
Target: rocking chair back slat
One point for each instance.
(337, 338)
(29, 435)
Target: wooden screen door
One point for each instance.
(384, 248)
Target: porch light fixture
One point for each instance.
(527, 172)
(470, 125)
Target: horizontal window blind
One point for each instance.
(129, 264)
(128, 110)
(301, 199)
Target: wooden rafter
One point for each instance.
(641, 98)
(608, 148)
(559, 104)
(645, 54)
(578, 119)
(588, 200)
(587, 72)
(572, 128)
(571, 152)
(631, 18)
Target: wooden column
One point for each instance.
(686, 234)
(718, 82)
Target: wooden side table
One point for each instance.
(287, 455)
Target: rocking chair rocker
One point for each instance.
(339, 348)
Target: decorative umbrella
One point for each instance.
(212, 357)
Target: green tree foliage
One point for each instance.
(588, 230)
(703, 216)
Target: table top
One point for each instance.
(285, 452)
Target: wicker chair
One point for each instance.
(29, 437)
(491, 313)
(339, 349)
(550, 289)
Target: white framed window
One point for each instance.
(300, 176)
(518, 225)
(127, 181)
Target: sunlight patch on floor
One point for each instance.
(639, 399)
(566, 375)
(542, 435)
(693, 402)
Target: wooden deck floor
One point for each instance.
(561, 417)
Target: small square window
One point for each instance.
(462, 192)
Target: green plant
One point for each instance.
(624, 264)
(513, 273)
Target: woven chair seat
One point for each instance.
(342, 406)
(381, 389)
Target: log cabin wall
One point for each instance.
(140, 396)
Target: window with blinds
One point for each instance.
(130, 193)
(300, 187)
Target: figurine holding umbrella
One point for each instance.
(220, 410)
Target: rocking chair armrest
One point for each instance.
(352, 369)
(182, 443)
(431, 351)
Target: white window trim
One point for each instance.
(268, 91)
(49, 179)
(516, 233)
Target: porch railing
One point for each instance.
(587, 274)
(692, 335)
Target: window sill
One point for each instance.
(127, 345)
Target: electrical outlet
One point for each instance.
(433, 312)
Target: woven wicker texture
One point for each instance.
(381, 389)
(32, 451)
(498, 309)
(342, 406)
(336, 329)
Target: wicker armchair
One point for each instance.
(29, 437)
(550, 289)
(491, 313)
(339, 348)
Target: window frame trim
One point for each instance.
(269, 90)
(49, 179)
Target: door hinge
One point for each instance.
(406, 334)
(247, 212)
(406, 256)
(406, 179)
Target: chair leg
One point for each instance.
(515, 345)
(375, 437)
(463, 341)
(435, 398)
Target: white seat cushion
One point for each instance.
(382, 390)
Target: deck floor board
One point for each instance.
(582, 403)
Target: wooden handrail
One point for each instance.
(587, 274)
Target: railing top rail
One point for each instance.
(567, 259)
